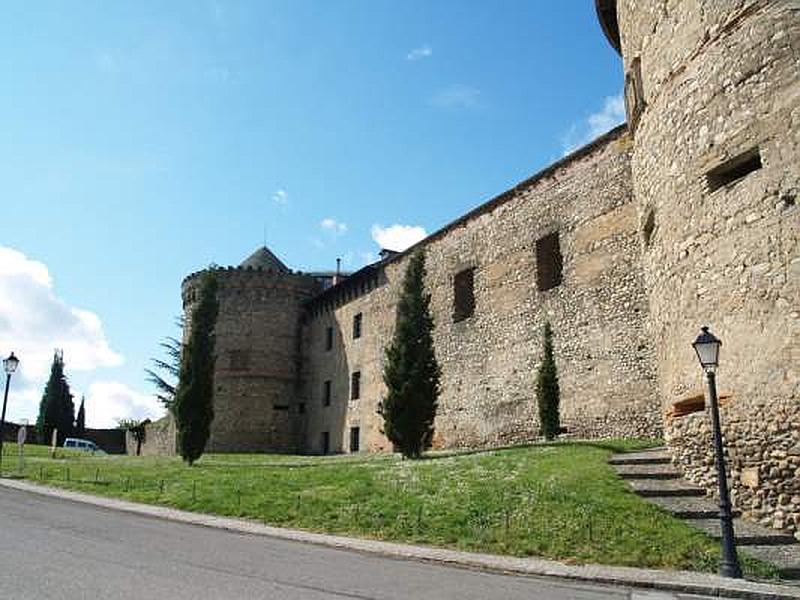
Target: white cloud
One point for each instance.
(397, 237)
(333, 226)
(595, 125)
(109, 401)
(34, 321)
(456, 96)
(280, 197)
(423, 51)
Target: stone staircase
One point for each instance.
(651, 475)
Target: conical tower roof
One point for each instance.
(263, 258)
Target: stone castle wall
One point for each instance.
(714, 85)
(490, 359)
(255, 375)
(159, 439)
(685, 218)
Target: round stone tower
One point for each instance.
(713, 102)
(257, 346)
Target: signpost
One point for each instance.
(22, 434)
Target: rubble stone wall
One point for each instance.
(489, 360)
(719, 80)
(763, 458)
(159, 439)
(257, 349)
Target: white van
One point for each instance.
(79, 444)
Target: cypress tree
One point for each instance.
(411, 372)
(193, 405)
(80, 420)
(56, 409)
(547, 393)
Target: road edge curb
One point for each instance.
(686, 582)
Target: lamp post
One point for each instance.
(707, 347)
(9, 365)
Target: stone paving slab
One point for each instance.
(647, 471)
(746, 532)
(785, 557)
(689, 507)
(668, 487)
(684, 582)
(656, 455)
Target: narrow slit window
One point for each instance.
(355, 434)
(355, 385)
(326, 442)
(649, 227)
(357, 322)
(326, 393)
(734, 169)
(463, 294)
(549, 262)
(329, 338)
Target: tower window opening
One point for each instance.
(649, 227)
(463, 294)
(357, 322)
(734, 169)
(326, 393)
(355, 385)
(329, 338)
(355, 434)
(549, 262)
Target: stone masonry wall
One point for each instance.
(720, 80)
(489, 360)
(159, 439)
(257, 346)
(763, 459)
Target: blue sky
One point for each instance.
(141, 141)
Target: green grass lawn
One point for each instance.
(560, 501)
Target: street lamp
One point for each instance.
(10, 365)
(707, 347)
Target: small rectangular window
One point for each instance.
(326, 442)
(355, 385)
(329, 338)
(357, 320)
(548, 262)
(280, 407)
(463, 294)
(355, 434)
(301, 408)
(734, 169)
(326, 393)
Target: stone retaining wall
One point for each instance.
(763, 454)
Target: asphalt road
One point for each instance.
(63, 550)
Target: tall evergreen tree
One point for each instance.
(80, 420)
(193, 406)
(411, 372)
(171, 368)
(547, 392)
(56, 410)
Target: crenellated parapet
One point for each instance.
(257, 345)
